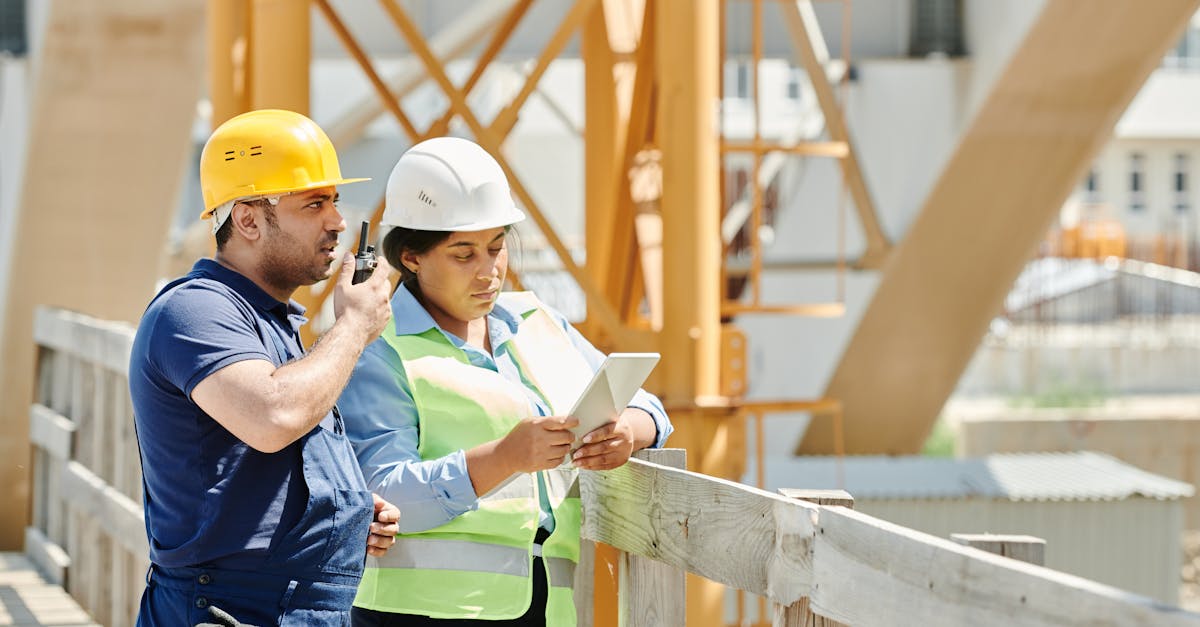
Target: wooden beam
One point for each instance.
(687, 61)
(730, 533)
(389, 100)
(102, 342)
(51, 431)
(101, 504)
(603, 126)
(280, 50)
(855, 569)
(113, 101)
(458, 38)
(652, 593)
(1025, 548)
(1048, 114)
(499, 37)
(491, 139)
(507, 118)
(871, 572)
(803, 28)
(800, 614)
(225, 26)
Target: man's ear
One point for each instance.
(244, 217)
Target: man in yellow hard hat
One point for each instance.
(255, 508)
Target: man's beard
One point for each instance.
(287, 264)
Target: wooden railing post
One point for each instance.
(649, 592)
(798, 614)
(1025, 548)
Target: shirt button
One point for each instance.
(201, 602)
(204, 579)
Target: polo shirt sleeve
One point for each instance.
(199, 329)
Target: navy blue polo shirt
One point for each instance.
(210, 498)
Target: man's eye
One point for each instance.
(495, 251)
(463, 257)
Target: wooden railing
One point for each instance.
(87, 532)
(840, 565)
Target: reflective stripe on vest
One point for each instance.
(477, 565)
(431, 554)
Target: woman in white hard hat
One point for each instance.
(455, 416)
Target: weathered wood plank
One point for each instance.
(1025, 548)
(50, 558)
(871, 572)
(840, 498)
(652, 593)
(105, 507)
(730, 533)
(799, 614)
(50, 430)
(103, 342)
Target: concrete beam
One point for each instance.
(1044, 120)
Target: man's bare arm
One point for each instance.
(269, 407)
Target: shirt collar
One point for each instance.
(255, 295)
(410, 317)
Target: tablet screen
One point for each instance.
(610, 390)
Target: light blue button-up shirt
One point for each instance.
(381, 417)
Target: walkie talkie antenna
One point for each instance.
(362, 237)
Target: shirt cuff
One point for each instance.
(453, 487)
(662, 426)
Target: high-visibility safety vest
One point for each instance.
(478, 565)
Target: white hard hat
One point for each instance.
(448, 184)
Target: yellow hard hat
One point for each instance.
(266, 152)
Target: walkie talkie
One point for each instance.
(364, 261)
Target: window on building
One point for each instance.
(742, 87)
(1091, 187)
(937, 28)
(793, 83)
(1182, 164)
(1137, 176)
(1186, 53)
(13, 39)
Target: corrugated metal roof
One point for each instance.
(1082, 476)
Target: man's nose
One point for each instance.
(337, 221)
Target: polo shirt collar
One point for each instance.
(255, 295)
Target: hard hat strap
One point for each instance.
(222, 212)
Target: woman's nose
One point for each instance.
(488, 272)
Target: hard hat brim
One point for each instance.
(512, 217)
(288, 190)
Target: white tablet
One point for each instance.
(610, 390)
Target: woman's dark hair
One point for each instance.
(400, 239)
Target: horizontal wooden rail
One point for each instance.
(84, 337)
(733, 534)
(853, 568)
(110, 510)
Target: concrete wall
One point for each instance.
(1085, 361)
